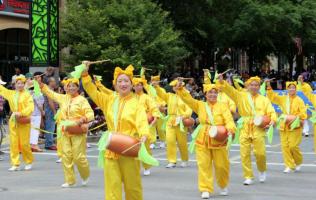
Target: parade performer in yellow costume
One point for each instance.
(74, 110)
(209, 151)
(177, 110)
(101, 87)
(130, 119)
(151, 109)
(312, 98)
(291, 134)
(250, 104)
(162, 108)
(22, 106)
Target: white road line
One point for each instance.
(278, 152)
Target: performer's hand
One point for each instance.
(82, 120)
(154, 121)
(143, 139)
(155, 83)
(17, 114)
(220, 78)
(87, 63)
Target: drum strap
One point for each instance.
(209, 114)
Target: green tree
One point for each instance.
(134, 32)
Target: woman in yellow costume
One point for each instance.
(250, 104)
(291, 134)
(74, 110)
(177, 110)
(151, 109)
(162, 108)
(127, 117)
(210, 151)
(22, 106)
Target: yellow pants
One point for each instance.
(173, 137)
(259, 151)
(315, 138)
(59, 148)
(126, 171)
(160, 131)
(74, 153)
(205, 159)
(147, 144)
(153, 134)
(290, 144)
(20, 141)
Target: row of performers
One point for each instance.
(137, 115)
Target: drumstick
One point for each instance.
(131, 147)
(99, 61)
(181, 78)
(226, 71)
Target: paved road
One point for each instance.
(44, 181)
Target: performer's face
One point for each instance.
(123, 85)
(291, 90)
(73, 89)
(300, 78)
(254, 87)
(138, 88)
(19, 85)
(211, 95)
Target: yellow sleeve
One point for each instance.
(271, 112)
(233, 93)
(162, 93)
(187, 111)
(141, 122)
(29, 106)
(232, 105)
(188, 99)
(153, 107)
(6, 93)
(99, 98)
(274, 97)
(228, 119)
(59, 98)
(302, 110)
(102, 88)
(309, 94)
(87, 110)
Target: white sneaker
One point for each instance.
(162, 145)
(224, 192)
(152, 146)
(248, 181)
(287, 170)
(298, 168)
(146, 172)
(84, 182)
(88, 145)
(306, 134)
(59, 160)
(262, 177)
(205, 195)
(66, 185)
(14, 168)
(171, 165)
(184, 164)
(28, 167)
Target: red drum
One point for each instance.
(23, 120)
(124, 145)
(77, 129)
(188, 122)
(219, 133)
(262, 121)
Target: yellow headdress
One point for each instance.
(208, 87)
(207, 76)
(288, 83)
(65, 82)
(20, 78)
(155, 78)
(128, 72)
(73, 80)
(139, 80)
(251, 79)
(175, 82)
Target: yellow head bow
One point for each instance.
(288, 83)
(208, 87)
(128, 72)
(139, 80)
(207, 78)
(20, 78)
(73, 80)
(155, 78)
(251, 79)
(65, 82)
(175, 82)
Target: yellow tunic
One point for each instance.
(102, 88)
(19, 133)
(223, 98)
